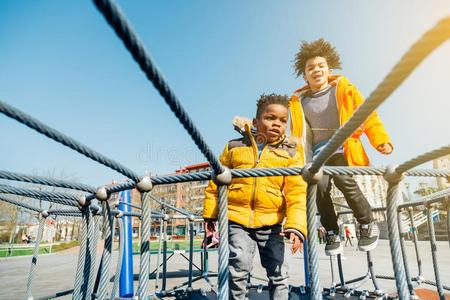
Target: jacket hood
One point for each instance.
(332, 80)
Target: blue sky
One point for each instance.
(61, 63)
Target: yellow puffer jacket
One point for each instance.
(261, 201)
(348, 100)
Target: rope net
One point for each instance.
(95, 206)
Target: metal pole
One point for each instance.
(447, 204)
(372, 274)
(433, 254)
(164, 278)
(191, 252)
(405, 259)
(341, 272)
(415, 240)
(126, 288)
(333, 282)
(35, 256)
(305, 262)
(159, 250)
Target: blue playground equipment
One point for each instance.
(126, 275)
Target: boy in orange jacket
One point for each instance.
(257, 206)
(321, 107)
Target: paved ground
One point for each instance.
(55, 272)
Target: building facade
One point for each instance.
(186, 195)
(442, 163)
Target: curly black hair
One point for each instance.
(266, 100)
(316, 48)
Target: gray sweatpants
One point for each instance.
(243, 242)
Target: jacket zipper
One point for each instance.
(252, 201)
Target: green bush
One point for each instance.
(4, 237)
(64, 246)
(42, 249)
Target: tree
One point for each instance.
(424, 189)
(8, 216)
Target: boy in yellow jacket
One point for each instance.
(257, 206)
(318, 109)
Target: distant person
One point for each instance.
(322, 234)
(257, 206)
(317, 110)
(348, 236)
(24, 238)
(211, 237)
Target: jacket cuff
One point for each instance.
(296, 232)
(209, 219)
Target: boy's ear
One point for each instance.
(254, 122)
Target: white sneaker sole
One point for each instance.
(336, 251)
(368, 247)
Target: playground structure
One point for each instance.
(96, 206)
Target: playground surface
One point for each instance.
(55, 272)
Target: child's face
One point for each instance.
(271, 124)
(317, 73)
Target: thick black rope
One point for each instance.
(261, 172)
(46, 181)
(410, 60)
(10, 200)
(55, 135)
(124, 31)
(61, 198)
(423, 159)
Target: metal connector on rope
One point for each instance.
(223, 178)
(145, 184)
(119, 214)
(44, 214)
(311, 177)
(391, 174)
(102, 194)
(95, 209)
(83, 202)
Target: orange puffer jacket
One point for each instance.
(348, 100)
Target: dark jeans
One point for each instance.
(243, 242)
(348, 239)
(348, 186)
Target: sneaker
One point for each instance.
(368, 236)
(333, 246)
